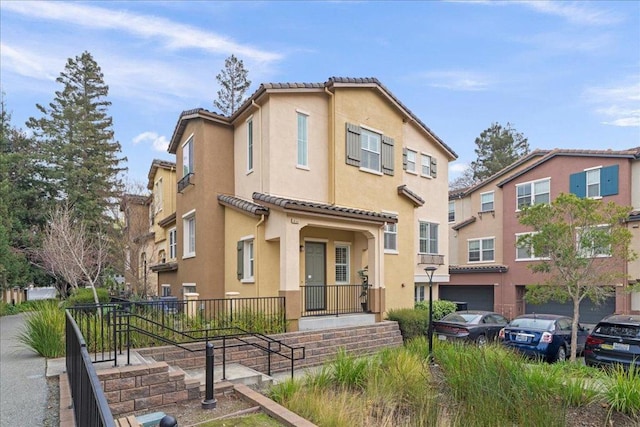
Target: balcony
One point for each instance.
(432, 259)
(185, 182)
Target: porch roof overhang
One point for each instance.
(165, 266)
(462, 269)
(417, 201)
(171, 219)
(243, 206)
(300, 206)
(464, 223)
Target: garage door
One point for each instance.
(589, 312)
(476, 297)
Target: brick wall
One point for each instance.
(320, 346)
(134, 388)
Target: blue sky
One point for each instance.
(565, 74)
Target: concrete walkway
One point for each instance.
(23, 386)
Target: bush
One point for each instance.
(44, 330)
(440, 307)
(85, 296)
(9, 309)
(413, 323)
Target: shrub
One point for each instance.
(85, 296)
(440, 307)
(44, 328)
(413, 323)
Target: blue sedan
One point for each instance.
(542, 336)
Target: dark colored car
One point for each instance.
(470, 325)
(614, 341)
(542, 336)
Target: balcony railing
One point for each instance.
(334, 300)
(432, 259)
(185, 182)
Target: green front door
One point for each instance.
(315, 276)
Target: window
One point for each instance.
(418, 294)
(188, 288)
(189, 231)
(246, 259)
(370, 150)
(157, 196)
(481, 250)
(594, 242)
(524, 248)
(533, 193)
(187, 157)
(452, 211)
(249, 145)
(166, 290)
(342, 264)
(486, 202)
(303, 142)
(425, 165)
(411, 161)
(428, 238)
(391, 237)
(595, 182)
(172, 244)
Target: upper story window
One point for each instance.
(369, 150)
(410, 164)
(595, 182)
(533, 193)
(594, 242)
(452, 211)
(303, 140)
(486, 201)
(342, 264)
(157, 195)
(187, 157)
(250, 145)
(428, 238)
(172, 244)
(481, 250)
(391, 237)
(189, 231)
(425, 165)
(524, 248)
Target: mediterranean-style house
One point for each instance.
(322, 193)
(489, 271)
(139, 247)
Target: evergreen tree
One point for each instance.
(76, 135)
(234, 84)
(497, 148)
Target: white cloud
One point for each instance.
(25, 63)
(159, 143)
(458, 167)
(581, 13)
(456, 80)
(618, 104)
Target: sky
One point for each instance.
(565, 74)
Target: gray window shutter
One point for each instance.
(434, 167)
(353, 145)
(404, 158)
(240, 260)
(387, 155)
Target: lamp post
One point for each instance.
(430, 270)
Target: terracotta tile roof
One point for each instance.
(464, 223)
(322, 208)
(462, 269)
(403, 190)
(158, 164)
(242, 205)
(185, 116)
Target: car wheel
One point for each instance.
(481, 341)
(561, 355)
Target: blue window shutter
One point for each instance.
(609, 181)
(578, 184)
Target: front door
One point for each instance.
(315, 276)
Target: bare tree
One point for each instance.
(70, 253)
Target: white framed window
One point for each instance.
(533, 193)
(189, 231)
(524, 250)
(411, 160)
(593, 183)
(486, 201)
(246, 259)
(173, 243)
(370, 145)
(157, 196)
(428, 238)
(593, 242)
(452, 211)
(188, 288)
(187, 157)
(419, 293)
(425, 165)
(481, 250)
(250, 145)
(166, 290)
(303, 140)
(391, 237)
(342, 264)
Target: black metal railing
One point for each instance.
(90, 405)
(184, 182)
(334, 300)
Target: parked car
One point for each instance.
(614, 341)
(544, 336)
(470, 325)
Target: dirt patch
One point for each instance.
(52, 412)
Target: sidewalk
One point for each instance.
(23, 386)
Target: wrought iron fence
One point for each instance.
(334, 300)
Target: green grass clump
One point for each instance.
(623, 393)
(254, 420)
(44, 330)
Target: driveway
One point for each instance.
(23, 385)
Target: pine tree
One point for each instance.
(76, 134)
(497, 148)
(234, 84)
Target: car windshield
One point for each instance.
(462, 317)
(628, 331)
(530, 323)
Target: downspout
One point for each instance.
(332, 147)
(253, 102)
(257, 264)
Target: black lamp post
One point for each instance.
(430, 270)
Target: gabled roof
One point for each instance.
(322, 208)
(158, 164)
(403, 190)
(242, 205)
(632, 153)
(185, 116)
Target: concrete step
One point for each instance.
(235, 373)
